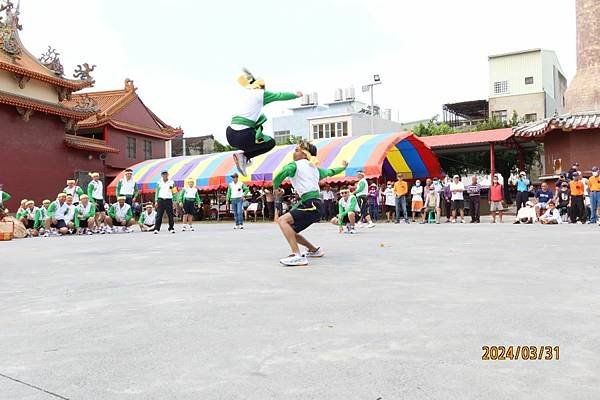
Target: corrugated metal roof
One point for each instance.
(587, 120)
(468, 138)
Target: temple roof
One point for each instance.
(27, 103)
(112, 102)
(15, 58)
(84, 143)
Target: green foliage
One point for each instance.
(433, 128)
(489, 124)
(293, 139)
(221, 148)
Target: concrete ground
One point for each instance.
(396, 312)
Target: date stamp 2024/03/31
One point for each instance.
(531, 353)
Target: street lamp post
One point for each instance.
(367, 88)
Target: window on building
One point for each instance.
(345, 128)
(131, 148)
(315, 131)
(327, 131)
(529, 80)
(282, 137)
(531, 117)
(321, 131)
(330, 130)
(501, 87)
(500, 115)
(147, 149)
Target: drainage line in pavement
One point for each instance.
(34, 387)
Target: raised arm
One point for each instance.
(270, 97)
(327, 173)
(288, 171)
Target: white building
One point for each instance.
(530, 82)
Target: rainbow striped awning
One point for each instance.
(382, 155)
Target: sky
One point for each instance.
(185, 55)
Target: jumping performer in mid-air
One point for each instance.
(246, 130)
(305, 177)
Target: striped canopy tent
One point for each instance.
(382, 155)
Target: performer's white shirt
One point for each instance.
(237, 190)
(306, 178)
(346, 204)
(149, 219)
(365, 190)
(70, 215)
(127, 187)
(84, 210)
(121, 211)
(73, 192)
(327, 195)
(31, 213)
(190, 192)
(61, 212)
(249, 105)
(165, 189)
(98, 192)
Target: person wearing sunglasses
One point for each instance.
(349, 211)
(304, 176)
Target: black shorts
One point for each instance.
(189, 207)
(307, 213)
(119, 223)
(30, 224)
(59, 224)
(279, 207)
(458, 204)
(356, 218)
(99, 206)
(83, 223)
(129, 200)
(390, 208)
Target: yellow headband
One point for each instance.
(61, 195)
(71, 182)
(122, 198)
(83, 196)
(244, 80)
(46, 202)
(24, 201)
(30, 202)
(94, 174)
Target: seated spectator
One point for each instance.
(542, 197)
(432, 204)
(552, 215)
(527, 214)
(563, 200)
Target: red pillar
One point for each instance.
(492, 161)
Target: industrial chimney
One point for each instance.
(583, 94)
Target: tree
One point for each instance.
(221, 148)
(293, 139)
(433, 128)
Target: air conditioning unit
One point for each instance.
(339, 95)
(305, 100)
(349, 93)
(314, 99)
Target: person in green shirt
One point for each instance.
(246, 129)
(73, 190)
(348, 211)
(120, 215)
(4, 197)
(85, 212)
(189, 199)
(304, 176)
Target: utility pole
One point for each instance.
(367, 88)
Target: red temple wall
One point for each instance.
(34, 162)
(582, 146)
(118, 139)
(136, 113)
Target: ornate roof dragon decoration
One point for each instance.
(51, 60)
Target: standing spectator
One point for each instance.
(373, 201)
(270, 204)
(542, 197)
(474, 192)
(496, 198)
(400, 191)
(278, 195)
(458, 201)
(328, 197)
(95, 192)
(439, 189)
(416, 193)
(562, 200)
(577, 205)
(236, 191)
(587, 202)
(522, 190)
(165, 188)
(562, 179)
(447, 201)
(390, 202)
(574, 169)
(594, 183)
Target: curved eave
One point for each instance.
(54, 80)
(166, 134)
(36, 105)
(87, 144)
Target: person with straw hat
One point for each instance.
(147, 219)
(127, 187)
(85, 212)
(95, 192)
(73, 190)
(120, 215)
(304, 176)
(246, 130)
(189, 199)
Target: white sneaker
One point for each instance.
(155, 232)
(172, 230)
(314, 254)
(236, 227)
(241, 226)
(241, 162)
(184, 228)
(371, 225)
(88, 232)
(462, 221)
(294, 261)
(453, 221)
(191, 228)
